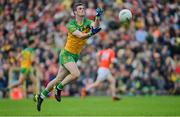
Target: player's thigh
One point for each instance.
(21, 78)
(110, 78)
(24, 72)
(72, 68)
(62, 72)
(31, 75)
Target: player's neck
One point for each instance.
(79, 19)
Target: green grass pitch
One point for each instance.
(95, 106)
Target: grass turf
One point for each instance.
(94, 106)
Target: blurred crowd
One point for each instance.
(147, 49)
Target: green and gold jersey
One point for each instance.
(27, 57)
(75, 44)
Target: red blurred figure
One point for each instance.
(105, 58)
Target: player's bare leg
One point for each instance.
(112, 81)
(94, 85)
(34, 83)
(91, 86)
(20, 82)
(61, 74)
(73, 75)
(74, 72)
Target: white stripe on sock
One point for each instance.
(42, 96)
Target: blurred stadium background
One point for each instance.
(147, 51)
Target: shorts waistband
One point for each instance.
(63, 50)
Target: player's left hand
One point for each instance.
(99, 12)
(95, 30)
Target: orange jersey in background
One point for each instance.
(106, 57)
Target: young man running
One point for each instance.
(79, 30)
(104, 59)
(26, 58)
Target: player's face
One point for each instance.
(80, 11)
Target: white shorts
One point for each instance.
(103, 73)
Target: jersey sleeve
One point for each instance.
(71, 27)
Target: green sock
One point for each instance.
(60, 86)
(44, 93)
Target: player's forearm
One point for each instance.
(84, 35)
(96, 22)
(81, 35)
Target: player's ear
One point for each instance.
(75, 12)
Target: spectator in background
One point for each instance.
(3, 84)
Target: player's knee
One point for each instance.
(96, 84)
(113, 81)
(76, 74)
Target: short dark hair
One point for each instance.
(76, 5)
